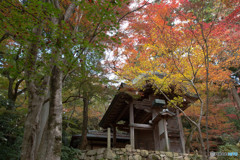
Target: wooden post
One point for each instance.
(131, 117)
(166, 134)
(114, 136)
(109, 138)
(181, 132)
(161, 132)
(156, 130)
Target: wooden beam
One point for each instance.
(143, 103)
(162, 135)
(156, 119)
(142, 107)
(173, 135)
(141, 126)
(122, 113)
(122, 125)
(144, 118)
(131, 118)
(123, 128)
(181, 132)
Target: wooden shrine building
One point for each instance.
(151, 125)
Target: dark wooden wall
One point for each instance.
(174, 134)
(144, 139)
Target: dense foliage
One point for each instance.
(195, 45)
(11, 130)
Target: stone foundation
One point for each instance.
(133, 154)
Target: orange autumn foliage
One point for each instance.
(169, 38)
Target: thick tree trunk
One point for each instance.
(50, 147)
(39, 144)
(36, 95)
(43, 121)
(31, 130)
(83, 144)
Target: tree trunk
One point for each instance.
(236, 96)
(37, 91)
(202, 143)
(39, 144)
(43, 121)
(50, 147)
(13, 92)
(83, 144)
(31, 130)
(189, 139)
(11, 95)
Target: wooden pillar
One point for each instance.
(131, 117)
(166, 134)
(114, 136)
(181, 132)
(109, 138)
(156, 131)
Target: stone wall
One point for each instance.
(128, 153)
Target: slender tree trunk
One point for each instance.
(207, 99)
(201, 142)
(13, 92)
(189, 139)
(236, 96)
(206, 56)
(83, 144)
(10, 93)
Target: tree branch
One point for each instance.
(69, 11)
(17, 85)
(5, 36)
(22, 9)
(146, 3)
(75, 98)
(22, 91)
